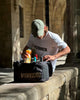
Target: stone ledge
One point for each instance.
(39, 91)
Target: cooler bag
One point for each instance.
(32, 72)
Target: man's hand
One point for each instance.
(24, 55)
(49, 57)
(59, 54)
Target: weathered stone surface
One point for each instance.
(61, 86)
(78, 95)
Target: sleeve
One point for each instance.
(60, 43)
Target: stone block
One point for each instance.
(79, 82)
(54, 95)
(46, 98)
(69, 72)
(13, 96)
(78, 95)
(73, 83)
(56, 88)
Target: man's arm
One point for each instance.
(59, 54)
(24, 52)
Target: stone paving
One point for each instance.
(6, 75)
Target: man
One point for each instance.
(47, 44)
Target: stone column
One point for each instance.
(15, 23)
(9, 33)
(5, 34)
(71, 30)
(78, 26)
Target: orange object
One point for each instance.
(29, 51)
(28, 55)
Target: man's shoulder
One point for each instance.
(31, 37)
(53, 35)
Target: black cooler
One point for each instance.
(32, 72)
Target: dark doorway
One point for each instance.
(21, 22)
(47, 12)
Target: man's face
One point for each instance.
(45, 31)
(42, 36)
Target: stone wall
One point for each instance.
(63, 85)
(27, 13)
(57, 13)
